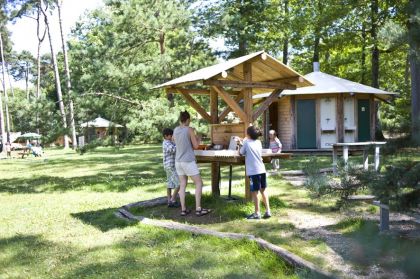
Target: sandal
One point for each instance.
(185, 212)
(202, 212)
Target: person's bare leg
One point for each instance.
(168, 194)
(198, 190)
(256, 202)
(174, 194)
(183, 179)
(265, 200)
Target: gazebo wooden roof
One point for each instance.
(236, 81)
(244, 76)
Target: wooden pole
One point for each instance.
(340, 118)
(215, 167)
(372, 116)
(247, 69)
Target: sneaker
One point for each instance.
(173, 204)
(253, 216)
(267, 215)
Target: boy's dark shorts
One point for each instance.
(258, 182)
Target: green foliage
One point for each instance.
(316, 182)
(147, 123)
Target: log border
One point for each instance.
(284, 254)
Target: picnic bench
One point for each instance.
(24, 152)
(384, 209)
(364, 146)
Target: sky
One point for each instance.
(23, 31)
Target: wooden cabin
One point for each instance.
(333, 110)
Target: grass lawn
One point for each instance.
(57, 221)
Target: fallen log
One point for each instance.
(287, 256)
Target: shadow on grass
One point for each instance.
(223, 210)
(103, 219)
(146, 253)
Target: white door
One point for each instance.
(349, 123)
(327, 121)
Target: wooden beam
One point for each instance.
(215, 167)
(198, 91)
(247, 70)
(267, 102)
(249, 84)
(190, 100)
(228, 109)
(231, 102)
(297, 79)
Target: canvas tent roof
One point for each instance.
(263, 70)
(325, 84)
(100, 123)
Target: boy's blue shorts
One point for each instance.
(258, 182)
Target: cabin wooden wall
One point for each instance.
(286, 122)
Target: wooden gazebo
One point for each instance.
(235, 82)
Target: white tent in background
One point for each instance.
(100, 123)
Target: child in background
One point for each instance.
(275, 146)
(255, 170)
(169, 150)
(8, 150)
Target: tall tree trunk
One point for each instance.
(68, 80)
(316, 49)
(363, 58)
(375, 49)
(2, 129)
(414, 42)
(375, 64)
(10, 81)
(27, 80)
(57, 82)
(286, 39)
(6, 105)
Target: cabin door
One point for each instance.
(363, 120)
(306, 124)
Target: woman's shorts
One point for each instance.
(187, 168)
(258, 182)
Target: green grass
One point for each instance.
(57, 222)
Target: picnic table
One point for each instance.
(24, 152)
(365, 146)
(230, 158)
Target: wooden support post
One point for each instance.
(228, 109)
(372, 117)
(377, 150)
(247, 69)
(340, 118)
(233, 105)
(190, 100)
(345, 155)
(215, 167)
(264, 106)
(365, 159)
(335, 159)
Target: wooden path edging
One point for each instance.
(287, 256)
